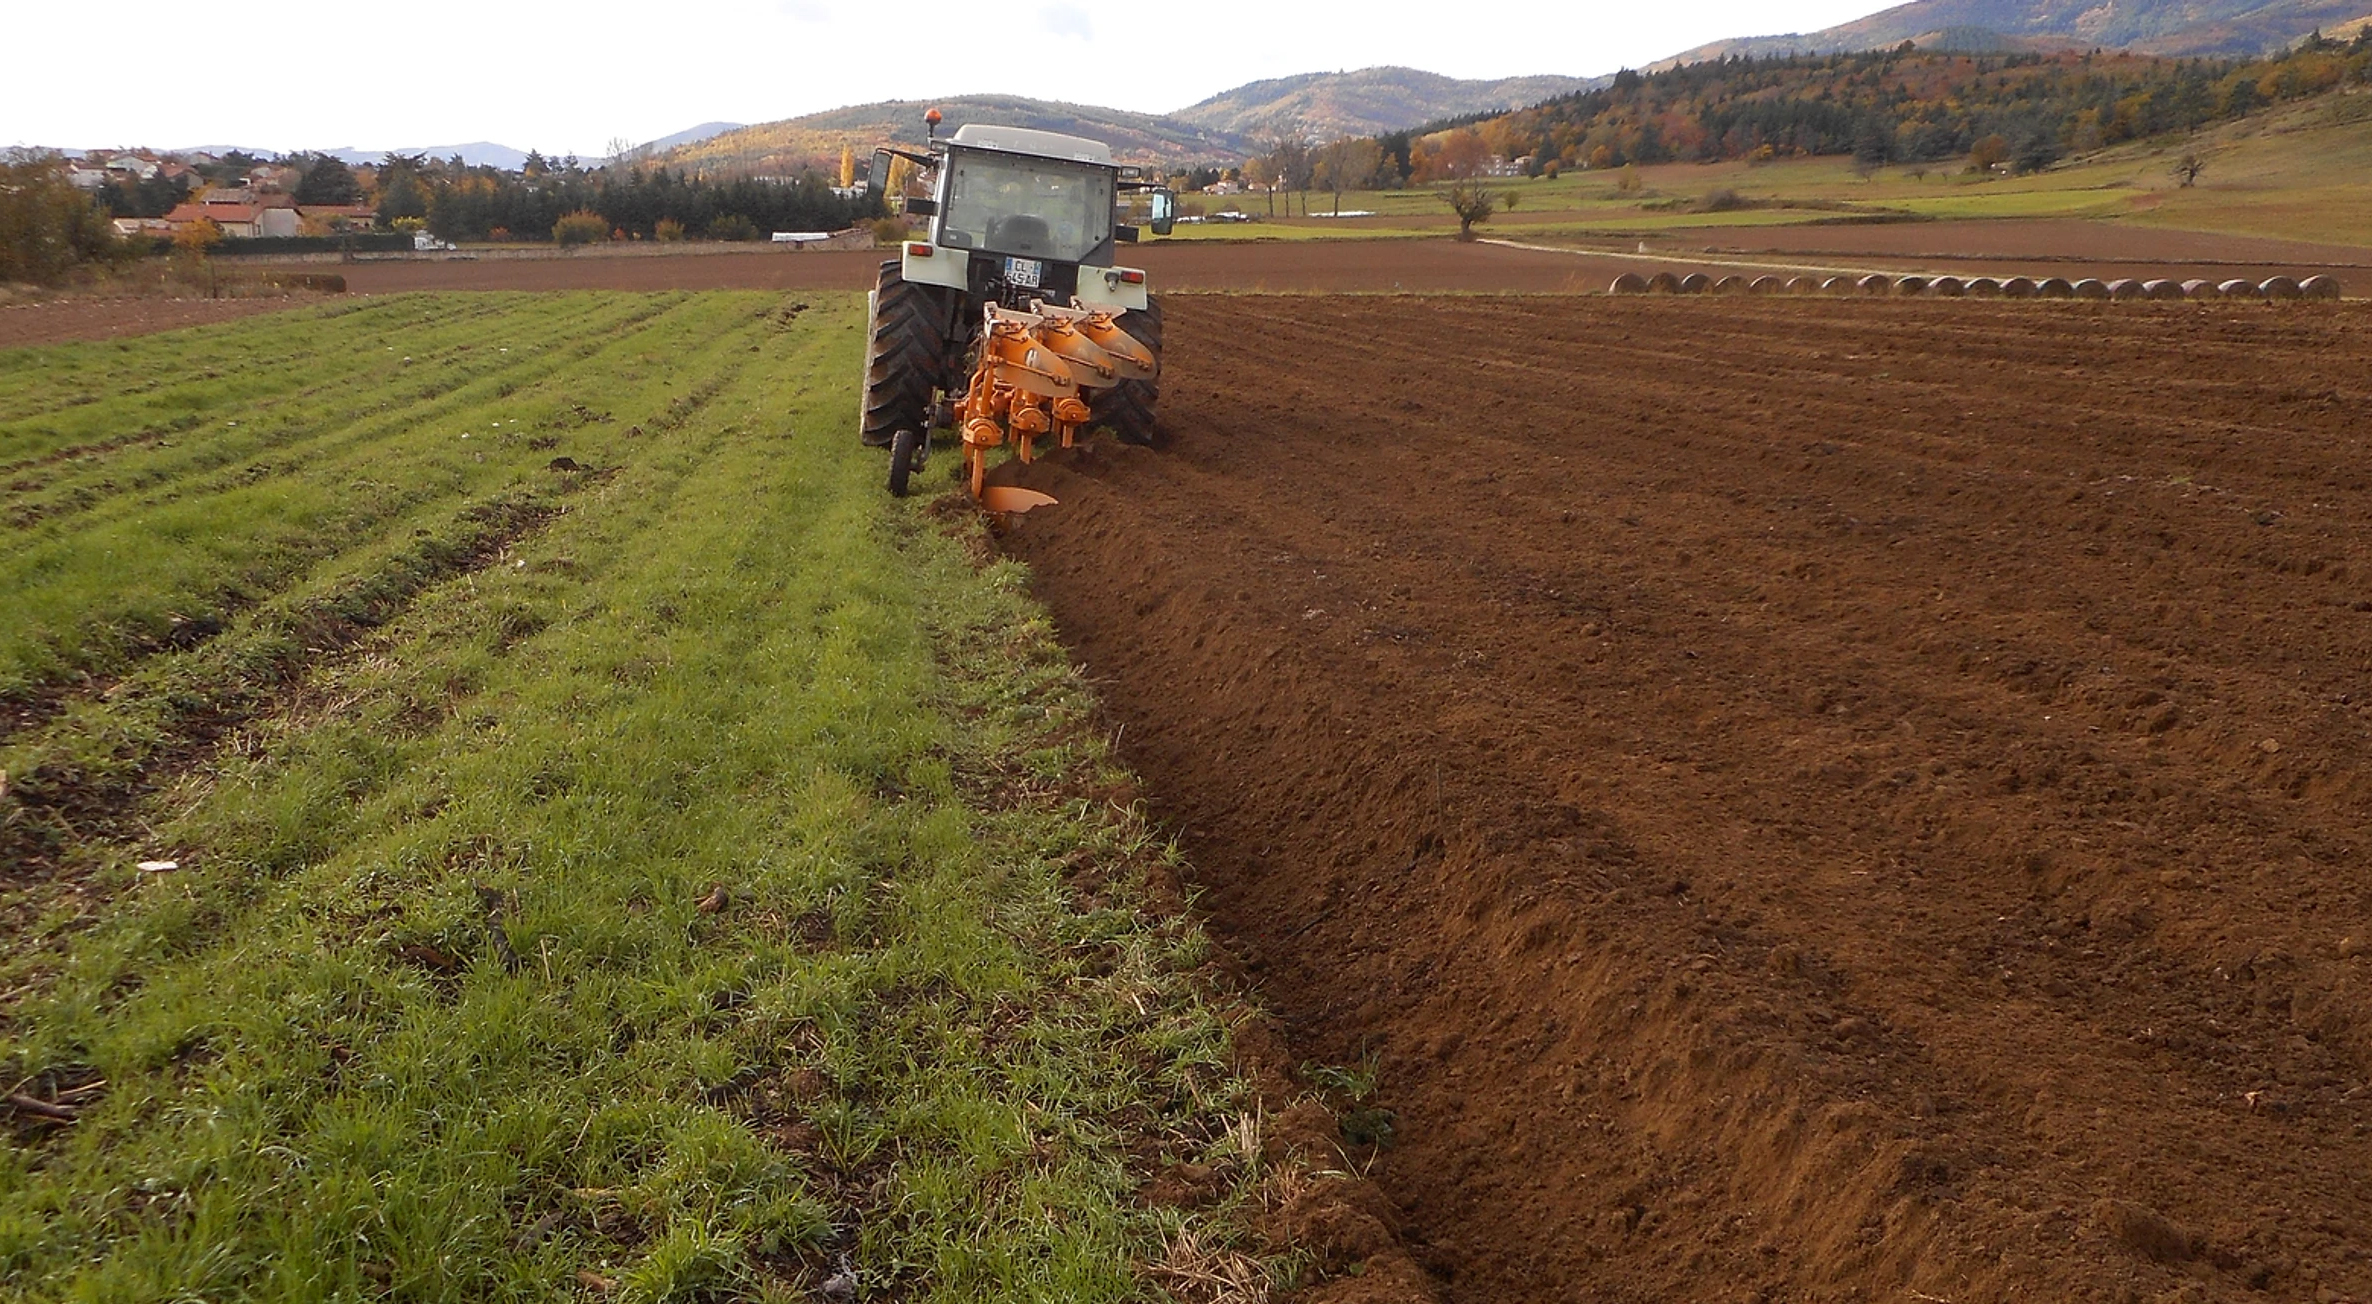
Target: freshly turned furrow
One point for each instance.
(1798, 796)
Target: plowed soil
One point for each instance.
(1797, 800)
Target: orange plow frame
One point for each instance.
(1031, 381)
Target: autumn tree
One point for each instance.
(327, 180)
(1464, 153)
(2187, 169)
(1349, 164)
(1472, 204)
(47, 227)
(1989, 153)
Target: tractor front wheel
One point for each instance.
(906, 455)
(1128, 407)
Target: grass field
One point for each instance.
(618, 853)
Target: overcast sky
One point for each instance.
(570, 77)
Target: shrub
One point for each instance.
(888, 231)
(1472, 204)
(580, 227)
(499, 234)
(732, 226)
(1723, 200)
(668, 231)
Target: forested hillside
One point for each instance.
(2230, 28)
(1904, 105)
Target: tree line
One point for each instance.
(459, 202)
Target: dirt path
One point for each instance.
(1798, 800)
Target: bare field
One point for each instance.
(1787, 800)
(2063, 248)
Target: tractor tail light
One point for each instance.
(1132, 276)
(918, 250)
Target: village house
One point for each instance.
(273, 178)
(242, 214)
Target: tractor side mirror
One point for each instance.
(877, 176)
(922, 208)
(1165, 211)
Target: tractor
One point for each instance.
(1008, 320)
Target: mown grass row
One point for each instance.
(117, 552)
(679, 900)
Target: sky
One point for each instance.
(572, 78)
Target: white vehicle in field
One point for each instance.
(1018, 254)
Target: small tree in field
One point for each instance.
(1472, 204)
(2189, 166)
(197, 239)
(1988, 154)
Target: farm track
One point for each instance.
(1798, 800)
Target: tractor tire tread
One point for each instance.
(904, 358)
(1131, 408)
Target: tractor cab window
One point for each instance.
(1029, 207)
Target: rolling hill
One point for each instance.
(1222, 129)
(2163, 27)
(1370, 101)
(818, 137)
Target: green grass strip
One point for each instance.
(677, 909)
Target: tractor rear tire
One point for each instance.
(905, 358)
(1130, 407)
(905, 459)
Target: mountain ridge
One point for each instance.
(1224, 128)
(1367, 101)
(2173, 28)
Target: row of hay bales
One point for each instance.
(1981, 287)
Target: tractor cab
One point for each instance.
(1017, 215)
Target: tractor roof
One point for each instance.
(1024, 140)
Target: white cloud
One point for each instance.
(1067, 20)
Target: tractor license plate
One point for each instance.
(1026, 273)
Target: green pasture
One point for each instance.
(2302, 171)
(678, 872)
